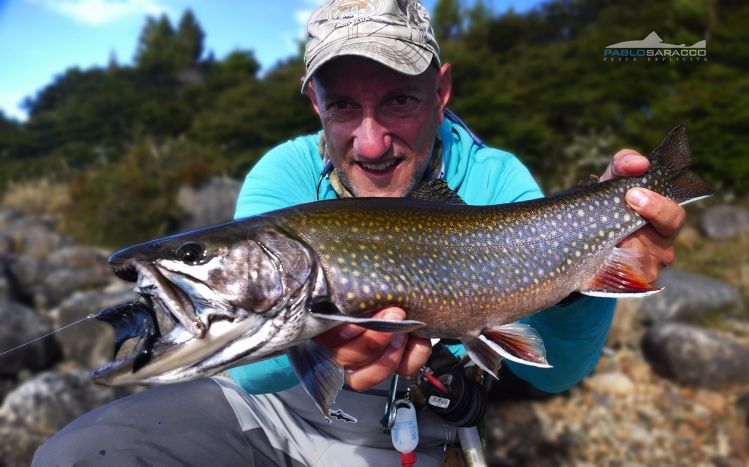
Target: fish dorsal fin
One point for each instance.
(435, 190)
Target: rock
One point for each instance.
(21, 324)
(695, 356)
(688, 296)
(725, 222)
(614, 383)
(34, 236)
(8, 215)
(41, 406)
(89, 344)
(25, 274)
(211, 203)
(80, 257)
(4, 284)
(64, 282)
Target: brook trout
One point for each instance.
(257, 287)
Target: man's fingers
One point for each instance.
(665, 216)
(367, 345)
(415, 356)
(373, 373)
(626, 163)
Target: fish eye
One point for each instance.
(191, 253)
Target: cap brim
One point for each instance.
(399, 55)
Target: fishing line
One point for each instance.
(92, 315)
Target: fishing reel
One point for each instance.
(451, 391)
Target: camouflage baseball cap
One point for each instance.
(396, 33)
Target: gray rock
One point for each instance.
(34, 236)
(25, 274)
(688, 296)
(62, 283)
(21, 324)
(89, 344)
(725, 222)
(80, 257)
(695, 356)
(211, 203)
(41, 406)
(4, 283)
(8, 215)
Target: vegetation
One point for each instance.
(125, 137)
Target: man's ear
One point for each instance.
(444, 88)
(312, 95)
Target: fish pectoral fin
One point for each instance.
(382, 325)
(483, 355)
(516, 342)
(320, 376)
(620, 276)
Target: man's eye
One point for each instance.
(339, 105)
(403, 100)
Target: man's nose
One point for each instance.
(371, 139)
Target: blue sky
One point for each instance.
(42, 38)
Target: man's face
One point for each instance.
(379, 124)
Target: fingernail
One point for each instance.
(397, 341)
(349, 332)
(394, 315)
(629, 158)
(637, 198)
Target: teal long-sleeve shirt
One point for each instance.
(287, 175)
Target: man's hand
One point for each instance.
(655, 241)
(371, 357)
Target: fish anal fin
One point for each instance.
(516, 342)
(620, 276)
(382, 325)
(320, 376)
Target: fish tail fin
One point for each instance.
(671, 161)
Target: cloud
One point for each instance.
(99, 12)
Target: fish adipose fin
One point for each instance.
(436, 190)
(515, 341)
(674, 158)
(382, 325)
(320, 376)
(620, 276)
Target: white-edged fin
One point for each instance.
(517, 342)
(620, 276)
(320, 376)
(483, 355)
(382, 325)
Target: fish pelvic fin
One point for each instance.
(671, 161)
(320, 376)
(516, 342)
(381, 325)
(620, 276)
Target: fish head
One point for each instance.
(231, 293)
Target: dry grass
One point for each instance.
(39, 197)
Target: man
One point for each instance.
(375, 78)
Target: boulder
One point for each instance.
(21, 324)
(211, 203)
(42, 405)
(688, 296)
(89, 344)
(25, 274)
(695, 356)
(8, 215)
(725, 222)
(62, 283)
(4, 284)
(34, 236)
